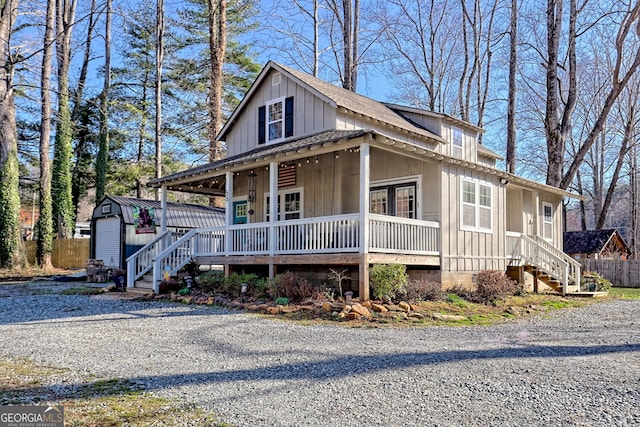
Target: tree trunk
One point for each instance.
(158, 88)
(11, 249)
(217, 52)
(61, 177)
(511, 106)
(103, 145)
(45, 220)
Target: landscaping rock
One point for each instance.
(405, 306)
(416, 315)
(327, 306)
(361, 310)
(273, 310)
(378, 308)
(448, 317)
(368, 304)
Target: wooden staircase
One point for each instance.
(545, 262)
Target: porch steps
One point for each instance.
(550, 281)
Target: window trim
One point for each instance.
(545, 222)
(454, 146)
(268, 123)
(415, 180)
(281, 211)
(478, 207)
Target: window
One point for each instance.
(547, 221)
(292, 207)
(476, 206)
(397, 200)
(275, 120)
(456, 142)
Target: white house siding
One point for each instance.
(464, 252)
(311, 114)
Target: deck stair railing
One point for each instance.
(141, 262)
(537, 252)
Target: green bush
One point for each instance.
(387, 281)
(211, 281)
(594, 282)
(422, 290)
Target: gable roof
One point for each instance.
(590, 241)
(181, 215)
(337, 97)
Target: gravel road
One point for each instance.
(576, 367)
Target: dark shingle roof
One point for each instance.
(586, 242)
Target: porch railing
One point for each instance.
(332, 234)
(390, 234)
(539, 253)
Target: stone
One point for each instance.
(327, 306)
(404, 306)
(367, 304)
(378, 308)
(253, 307)
(513, 311)
(346, 308)
(289, 309)
(361, 310)
(210, 301)
(354, 315)
(273, 310)
(448, 317)
(186, 300)
(416, 315)
(108, 288)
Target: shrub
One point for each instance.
(388, 280)
(211, 281)
(423, 290)
(290, 285)
(493, 286)
(594, 282)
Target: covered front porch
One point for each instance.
(333, 240)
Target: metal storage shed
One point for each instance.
(120, 226)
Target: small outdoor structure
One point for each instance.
(596, 244)
(120, 226)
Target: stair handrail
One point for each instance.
(546, 260)
(139, 263)
(575, 268)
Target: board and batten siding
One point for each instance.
(465, 251)
(311, 114)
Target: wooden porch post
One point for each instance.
(273, 215)
(229, 215)
(364, 222)
(163, 207)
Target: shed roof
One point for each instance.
(590, 241)
(180, 215)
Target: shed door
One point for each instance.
(108, 241)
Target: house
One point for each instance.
(318, 177)
(596, 244)
(121, 226)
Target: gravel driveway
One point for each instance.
(573, 367)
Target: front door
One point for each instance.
(240, 212)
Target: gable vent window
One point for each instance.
(275, 80)
(275, 121)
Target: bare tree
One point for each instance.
(103, 145)
(513, 91)
(45, 220)
(11, 254)
(347, 17)
(158, 86)
(217, 49)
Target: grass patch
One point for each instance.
(96, 402)
(82, 290)
(625, 293)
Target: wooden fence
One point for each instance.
(621, 273)
(67, 253)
